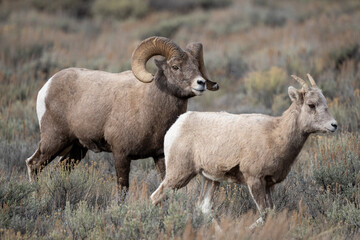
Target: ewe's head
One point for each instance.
(314, 115)
(184, 70)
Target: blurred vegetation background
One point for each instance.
(250, 47)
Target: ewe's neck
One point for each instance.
(291, 138)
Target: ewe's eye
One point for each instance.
(311, 106)
(175, 67)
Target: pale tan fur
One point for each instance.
(251, 149)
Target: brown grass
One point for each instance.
(245, 44)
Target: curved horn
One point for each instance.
(301, 81)
(312, 81)
(196, 50)
(148, 48)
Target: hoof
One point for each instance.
(31, 173)
(258, 222)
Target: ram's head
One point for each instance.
(184, 70)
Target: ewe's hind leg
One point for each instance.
(159, 194)
(174, 180)
(179, 171)
(73, 157)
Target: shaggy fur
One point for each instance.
(114, 112)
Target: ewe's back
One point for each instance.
(214, 125)
(212, 136)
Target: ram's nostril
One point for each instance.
(334, 125)
(201, 81)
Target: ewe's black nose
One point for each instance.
(201, 81)
(334, 125)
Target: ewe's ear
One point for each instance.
(293, 94)
(160, 63)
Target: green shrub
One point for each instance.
(275, 18)
(19, 210)
(77, 8)
(81, 221)
(338, 165)
(83, 183)
(166, 28)
(169, 27)
(187, 5)
(175, 219)
(207, 4)
(137, 219)
(348, 214)
(19, 121)
(347, 113)
(13, 155)
(264, 86)
(234, 200)
(120, 9)
(340, 55)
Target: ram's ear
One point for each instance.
(294, 94)
(160, 62)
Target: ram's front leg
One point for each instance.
(122, 168)
(160, 166)
(258, 191)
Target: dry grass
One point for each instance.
(246, 44)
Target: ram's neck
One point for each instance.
(165, 105)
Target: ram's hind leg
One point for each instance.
(34, 158)
(46, 152)
(52, 144)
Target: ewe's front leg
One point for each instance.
(269, 201)
(208, 189)
(258, 191)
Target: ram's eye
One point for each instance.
(312, 106)
(175, 67)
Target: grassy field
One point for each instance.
(250, 47)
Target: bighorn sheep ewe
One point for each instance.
(80, 109)
(252, 149)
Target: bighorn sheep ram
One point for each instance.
(80, 109)
(252, 149)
